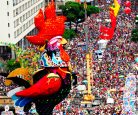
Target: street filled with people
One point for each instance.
(109, 71)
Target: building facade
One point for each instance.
(17, 19)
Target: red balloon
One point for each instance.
(127, 3)
(127, 10)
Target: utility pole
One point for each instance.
(88, 97)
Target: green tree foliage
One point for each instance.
(2, 65)
(12, 64)
(75, 12)
(69, 34)
(134, 36)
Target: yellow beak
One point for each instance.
(63, 41)
(42, 48)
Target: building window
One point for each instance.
(35, 9)
(18, 32)
(21, 29)
(9, 35)
(42, 4)
(15, 34)
(7, 13)
(29, 4)
(24, 27)
(14, 23)
(18, 21)
(21, 19)
(7, 2)
(19, 9)
(8, 24)
(29, 13)
(26, 6)
(16, 11)
(23, 7)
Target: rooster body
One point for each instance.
(47, 104)
(46, 95)
(52, 83)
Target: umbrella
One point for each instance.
(113, 90)
(85, 81)
(96, 102)
(1, 64)
(99, 52)
(102, 44)
(81, 87)
(121, 76)
(136, 59)
(110, 100)
(122, 89)
(103, 41)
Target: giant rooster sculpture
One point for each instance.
(52, 83)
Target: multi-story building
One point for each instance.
(17, 18)
(17, 21)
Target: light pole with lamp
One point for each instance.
(88, 98)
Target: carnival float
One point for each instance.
(51, 83)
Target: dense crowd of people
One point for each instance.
(117, 60)
(4, 89)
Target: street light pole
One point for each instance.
(86, 26)
(89, 96)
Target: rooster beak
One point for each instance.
(63, 41)
(42, 48)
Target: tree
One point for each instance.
(12, 64)
(134, 36)
(69, 34)
(75, 12)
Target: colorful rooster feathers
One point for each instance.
(48, 24)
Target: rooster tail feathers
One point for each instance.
(21, 102)
(18, 101)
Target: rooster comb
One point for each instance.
(50, 10)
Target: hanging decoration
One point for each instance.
(108, 32)
(127, 4)
(129, 97)
(51, 83)
(127, 10)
